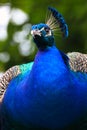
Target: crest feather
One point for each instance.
(56, 22)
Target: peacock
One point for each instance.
(50, 92)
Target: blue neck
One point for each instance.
(50, 57)
(48, 67)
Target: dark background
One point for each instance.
(18, 48)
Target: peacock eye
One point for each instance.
(46, 29)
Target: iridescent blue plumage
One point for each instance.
(49, 95)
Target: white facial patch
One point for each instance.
(49, 33)
(38, 32)
(35, 32)
(41, 29)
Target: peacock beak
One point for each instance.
(35, 32)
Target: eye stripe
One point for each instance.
(42, 29)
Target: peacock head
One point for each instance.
(43, 34)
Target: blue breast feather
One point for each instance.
(37, 98)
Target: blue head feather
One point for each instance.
(42, 35)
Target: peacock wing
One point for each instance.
(78, 62)
(11, 74)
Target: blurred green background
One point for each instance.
(16, 18)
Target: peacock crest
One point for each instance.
(56, 22)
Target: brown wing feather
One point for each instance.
(6, 78)
(78, 61)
